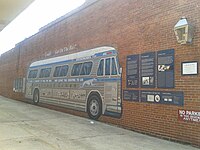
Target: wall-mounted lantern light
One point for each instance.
(184, 31)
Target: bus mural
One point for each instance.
(87, 81)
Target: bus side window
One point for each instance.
(60, 71)
(57, 71)
(32, 74)
(114, 68)
(86, 69)
(64, 70)
(76, 69)
(45, 72)
(100, 68)
(107, 67)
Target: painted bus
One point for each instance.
(87, 81)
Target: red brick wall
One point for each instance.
(133, 27)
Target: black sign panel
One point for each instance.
(148, 70)
(132, 71)
(131, 95)
(173, 98)
(165, 69)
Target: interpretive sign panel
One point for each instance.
(132, 71)
(173, 98)
(131, 95)
(165, 69)
(148, 70)
(189, 68)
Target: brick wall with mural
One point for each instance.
(134, 28)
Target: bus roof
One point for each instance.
(78, 55)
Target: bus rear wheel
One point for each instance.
(94, 107)
(36, 97)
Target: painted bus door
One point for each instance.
(112, 88)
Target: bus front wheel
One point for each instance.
(36, 97)
(94, 107)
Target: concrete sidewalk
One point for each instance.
(27, 127)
